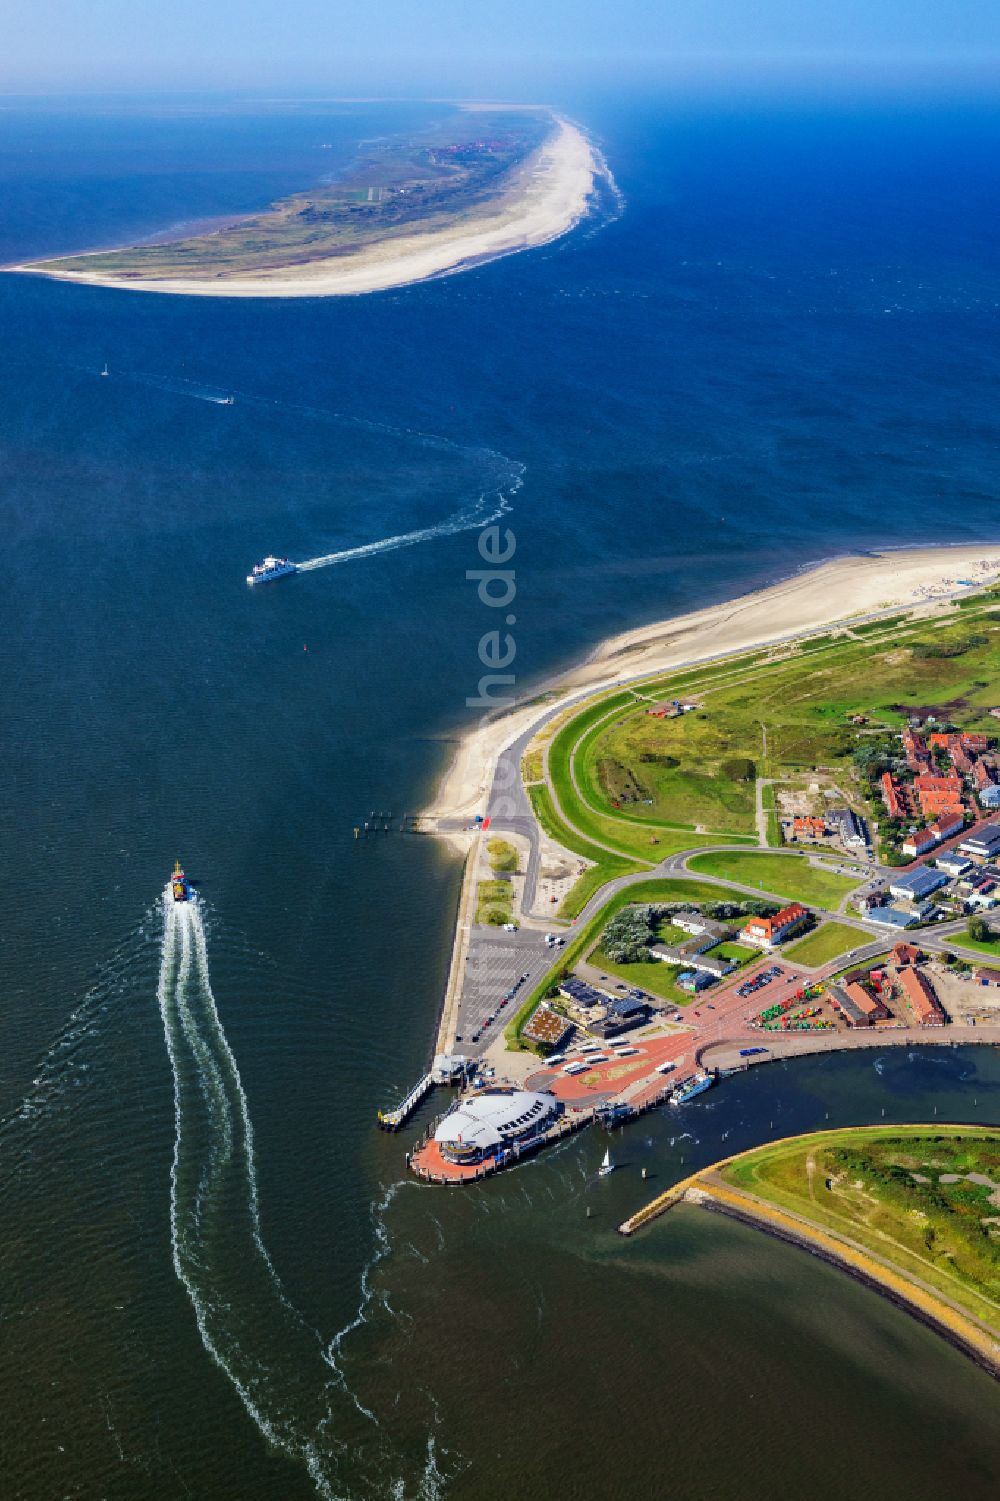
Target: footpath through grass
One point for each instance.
(903, 1192)
(827, 942)
(787, 876)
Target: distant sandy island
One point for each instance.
(828, 595)
(547, 197)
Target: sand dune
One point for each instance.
(549, 195)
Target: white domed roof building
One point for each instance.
(494, 1120)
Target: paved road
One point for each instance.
(495, 960)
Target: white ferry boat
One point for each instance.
(271, 568)
(692, 1087)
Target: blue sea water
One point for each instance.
(781, 349)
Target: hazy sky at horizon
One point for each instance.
(81, 44)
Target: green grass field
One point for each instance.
(502, 855)
(963, 941)
(739, 953)
(882, 1187)
(653, 976)
(827, 942)
(494, 902)
(655, 889)
(637, 831)
(692, 771)
(787, 876)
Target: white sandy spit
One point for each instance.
(835, 592)
(549, 196)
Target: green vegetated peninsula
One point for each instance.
(925, 1201)
(469, 162)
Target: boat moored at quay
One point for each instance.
(687, 1090)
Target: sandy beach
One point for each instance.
(549, 196)
(832, 593)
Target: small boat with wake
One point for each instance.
(180, 886)
(271, 568)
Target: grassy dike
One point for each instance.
(884, 1188)
(606, 866)
(653, 890)
(636, 834)
(895, 1206)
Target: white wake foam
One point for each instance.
(502, 476)
(487, 509)
(290, 1381)
(247, 1323)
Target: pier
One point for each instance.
(391, 1120)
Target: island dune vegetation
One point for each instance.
(911, 1210)
(485, 182)
(925, 1200)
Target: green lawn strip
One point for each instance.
(963, 941)
(502, 855)
(788, 876)
(584, 887)
(768, 801)
(652, 975)
(739, 953)
(827, 942)
(557, 829)
(494, 902)
(654, 889)
(880, 625)
(927, 1230)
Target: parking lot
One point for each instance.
(494, 967)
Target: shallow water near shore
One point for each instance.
(760, 364)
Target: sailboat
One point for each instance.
(607, 1166)
(105, 371)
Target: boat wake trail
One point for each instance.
(493, 476)
(489, 507)
(288, 1377)
(246, 1321)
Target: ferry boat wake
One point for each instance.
(284, 1371)
(246, 1321)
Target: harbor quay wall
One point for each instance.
(716, 1053)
